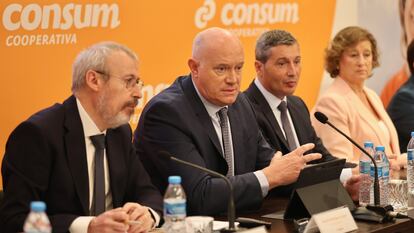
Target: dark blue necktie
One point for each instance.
(98, 201)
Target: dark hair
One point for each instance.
(410, 56)
(271, 39)
(344, 39)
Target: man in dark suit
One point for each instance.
(278, 66)
(401, 107)
(201, 118)
(53, 156)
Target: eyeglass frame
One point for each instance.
(130, 83)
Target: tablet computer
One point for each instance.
(318, 189)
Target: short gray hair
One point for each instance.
(271, 39)
(94, 58)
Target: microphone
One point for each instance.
(324, 120)
(231, 210)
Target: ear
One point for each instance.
(193, 65)
(259, 68)
(92, 80)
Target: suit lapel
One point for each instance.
(237, 138)
(264, 107)
(76, 152)
(295, 114)
(117, 166)
(377, 106)
(363, 112)
(200, 111)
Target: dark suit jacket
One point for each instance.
(401, 111)
(176, 121)
(45, 159)
(301, 121)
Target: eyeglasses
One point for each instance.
(130, 81)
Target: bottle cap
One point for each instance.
(174, 179)
(368, 144)
(380, 148)
(37, 206)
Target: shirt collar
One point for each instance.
(271, 99)
(212, 109)
(89, 126)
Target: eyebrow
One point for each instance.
(133, 76)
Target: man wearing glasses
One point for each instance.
(78, 158)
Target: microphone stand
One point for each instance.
(376, 182)
(231, 207)
(380, 213)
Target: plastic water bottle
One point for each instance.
(386, 177)
(37, 220)
(383, 173)
(365, 188)
(410, 170)
(174, 206)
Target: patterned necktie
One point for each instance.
(286, 125)
(98, 201)
(225, 132)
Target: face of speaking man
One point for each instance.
(216, 66)
(120, 93)
(280, 73)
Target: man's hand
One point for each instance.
(109, 221)
(140, 217)
(352, 186)
(284, 170)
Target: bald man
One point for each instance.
(201, 118)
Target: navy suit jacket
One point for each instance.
(301, 121)
(45, 159)
(401, 111)
(176, 121)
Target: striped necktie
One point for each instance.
(225, 132)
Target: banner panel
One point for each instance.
(40, 39)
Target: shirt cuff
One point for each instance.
(345, 174)
(264, 184)
(80, 224)
(156, 217)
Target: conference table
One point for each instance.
(274, 204)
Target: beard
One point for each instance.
(111, 118)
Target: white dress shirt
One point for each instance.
(80, 224)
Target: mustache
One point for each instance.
(132, 103)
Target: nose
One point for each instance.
(361, 59)
(232, 76)
(137, 92)
(292, 69)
